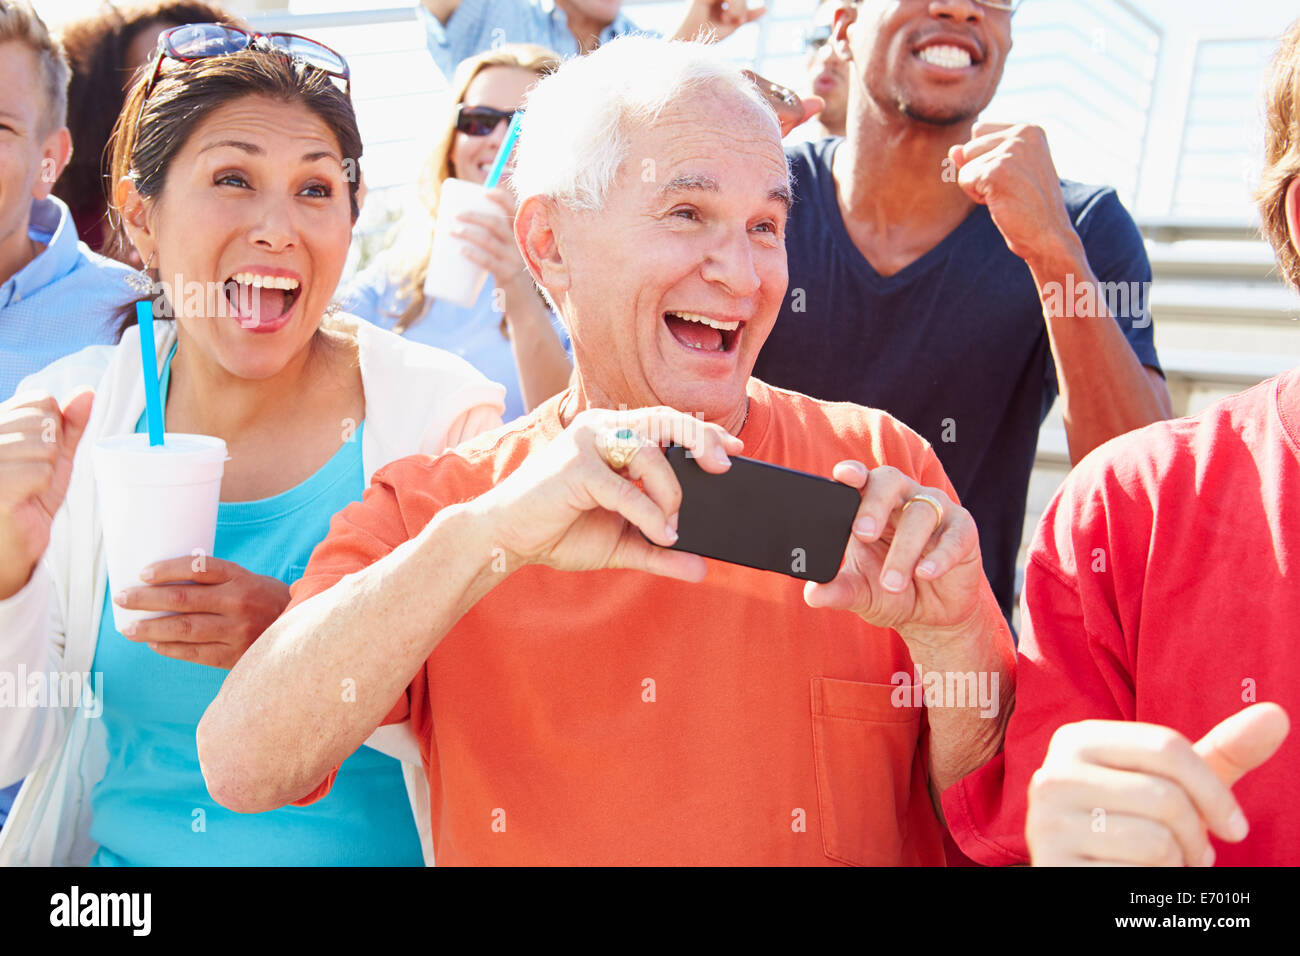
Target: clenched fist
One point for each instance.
(1009, 169)
(37, 443)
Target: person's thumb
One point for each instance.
(1245, 740)
(812, 105)
(75, 416)
(754, 14)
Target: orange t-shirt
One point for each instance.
(617, 717)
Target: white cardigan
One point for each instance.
(418, 400)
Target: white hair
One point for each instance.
(577, 121)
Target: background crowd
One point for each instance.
(925, 252)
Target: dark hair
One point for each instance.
(186, 93)
(97, 48)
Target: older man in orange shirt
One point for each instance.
(581, 693)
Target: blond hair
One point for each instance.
(412, 270)
(20, 23)
(1281, 152)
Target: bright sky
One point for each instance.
(1192, 153)
(1210, 16)
(1245, 15)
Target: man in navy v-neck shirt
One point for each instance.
(940, 269)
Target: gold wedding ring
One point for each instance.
(930, 500)
(620, 447)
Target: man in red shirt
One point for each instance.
(581, 693)
(1160, 597)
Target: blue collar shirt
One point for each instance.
(479, 25)
(62, 301)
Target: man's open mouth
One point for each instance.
(257, 300)
(943, 52)
(701, 332)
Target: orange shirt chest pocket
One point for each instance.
(865, 752)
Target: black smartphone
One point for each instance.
(764, 516)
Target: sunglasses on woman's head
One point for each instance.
(198, 41)
(480, 120)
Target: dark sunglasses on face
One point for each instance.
(480, 120)
(1006, 6)
(814, 38)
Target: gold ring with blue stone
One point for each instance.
(620, 447)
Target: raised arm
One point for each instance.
(543, 364)
(1105, 389)
(722, 17)
(282, 720)
(38, 442)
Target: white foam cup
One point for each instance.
(451, 275)
(155, 503)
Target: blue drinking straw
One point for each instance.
(149, 359)
(499, 166)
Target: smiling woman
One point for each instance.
(507, 332)
(250, 95)
(236, 180)
(266, 172)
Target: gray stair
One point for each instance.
(1224, 321)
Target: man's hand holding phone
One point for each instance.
(912, 562)
(582, 503)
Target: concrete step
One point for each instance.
(1224, 338)
(1212, 261)
(1224, 321)
(1216, 299)
(1197, 379)
(1236, 369)
(1174, 229)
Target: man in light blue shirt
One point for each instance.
(56, 296)
(64, 299)
(457, 29)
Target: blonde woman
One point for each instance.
(508, 333)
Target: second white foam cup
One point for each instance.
(155, 503)
(451, 275)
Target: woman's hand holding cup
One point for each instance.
(217, 609)
(490, 241)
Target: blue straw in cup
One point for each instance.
(149, 362)
(503, 156)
